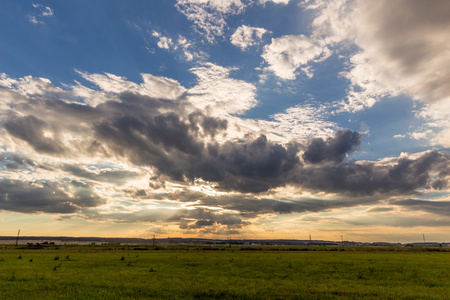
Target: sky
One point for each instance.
(226, 119)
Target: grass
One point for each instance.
(105, 272)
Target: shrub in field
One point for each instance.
(57, 266)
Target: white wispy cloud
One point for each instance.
(186, 47)
(33, 20)
(209, 16)
(219, 93)
(29, 85)
(274, 1)
(247, 36)
(289, 54)
(303, 122)
(163, 42)
(152, 86)
(437, 123)
(45, 11)
(182, 44)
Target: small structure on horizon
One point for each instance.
(17, 239)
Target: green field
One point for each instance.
(137, 272)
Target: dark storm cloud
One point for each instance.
(180, 143)
(262, 206)
(434, 207)
(249, 166)
(188, 219)
(174, 145)
(50, 197)
(200, 217)
(116, 176)
(400, 221)
(333, 149)
(163, 141)
(31, 129)
(405, 176)
(439, 184)
(251, 206)
(139, 194)
(209, 124)
(14, 161)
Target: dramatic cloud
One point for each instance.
(50, 197)
(255, 118)
(34, 131)
(15, 161)
(117, 177)
(180, 143)
(333, 149)
(152, 152)
(402, 47)
(411, 37)
(252, 206)
(403, 175)
(200, 220)
(174, 146)
(434, 207)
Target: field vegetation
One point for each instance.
(193, 272)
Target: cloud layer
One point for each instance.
(251, 126)
(173, 143)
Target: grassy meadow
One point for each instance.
(180, 272)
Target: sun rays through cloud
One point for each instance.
(214, 118)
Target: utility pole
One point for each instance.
(342, 240)
(17, 239)
(154, 237)
(424, 238)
